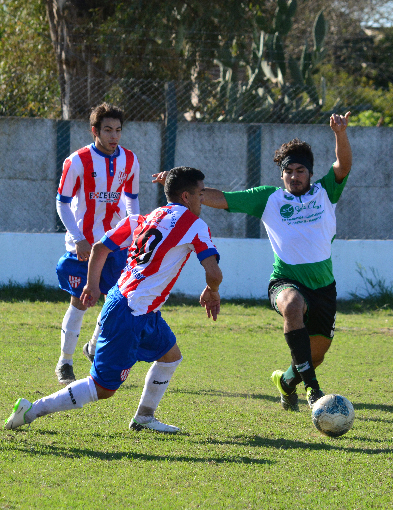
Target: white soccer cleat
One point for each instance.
(18, 417)
(155, 425)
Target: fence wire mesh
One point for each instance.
(172, 107)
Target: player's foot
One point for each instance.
(89, 356)
(18, 416)
(289, 401)
(65, 374)
(313, 396)
(154, 424)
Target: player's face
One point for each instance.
(108, 137)
(195, 199)
(296, 179)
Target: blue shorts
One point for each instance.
(72, 273)
(126, 339)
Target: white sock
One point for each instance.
(156, 382)
(73, 396)
(94, 338)
(70, 330)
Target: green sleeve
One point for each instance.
(333, 189)
(250, 201)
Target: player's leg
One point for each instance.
(110, 274)
(157, 378)
(319, 347)
(72, 275)
(101, 384)
(291, 378)
(293, 307)
(291, 304)
(321, 318)
(89, 349)
(74, 396)
(70, 330)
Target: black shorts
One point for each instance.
(320, 317)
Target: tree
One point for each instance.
(29, 83)
(72, 33)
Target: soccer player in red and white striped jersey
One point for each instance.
(98, 187)
(132, 327)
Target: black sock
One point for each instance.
(299, 344)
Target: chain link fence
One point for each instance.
(178, 111)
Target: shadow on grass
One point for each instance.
(270, 398)
(286, 444)
(219, 393)
(73, 453)
(373, 407)
(33, 449)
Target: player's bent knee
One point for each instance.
(172, 355)
(103, 393)
(317, 362)
(291, 303)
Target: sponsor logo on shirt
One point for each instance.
(287, 211)
(75, 281)
(105, 196)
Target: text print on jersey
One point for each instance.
(105, 196)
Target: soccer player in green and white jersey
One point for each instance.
(301, 224)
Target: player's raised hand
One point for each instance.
(160, 177)
(339, 122)
(210, 300)
(90, 296)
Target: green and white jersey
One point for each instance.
(301, 229)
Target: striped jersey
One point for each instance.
(94, 184)
(160, 244)
(301, 229)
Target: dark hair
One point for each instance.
(105, 111)
(294, 148)
(179, 179)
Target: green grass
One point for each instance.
(238, 449)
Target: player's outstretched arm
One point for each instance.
(343, 163)
(211, 197)
(210, 297)
(91, 292)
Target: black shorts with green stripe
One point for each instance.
(320, 317)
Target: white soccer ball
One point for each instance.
(333, 415)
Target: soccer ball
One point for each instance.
(333, 415)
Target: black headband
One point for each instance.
(294, 158)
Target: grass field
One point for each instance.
(238, 449)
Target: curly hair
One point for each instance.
(295, 147)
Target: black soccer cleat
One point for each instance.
(313, 396)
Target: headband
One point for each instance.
(294, 158)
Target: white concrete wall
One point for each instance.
(246, 264)
(28, 173)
